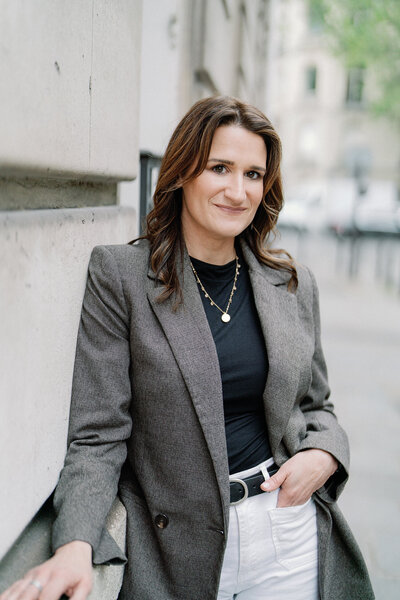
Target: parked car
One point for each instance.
(337, 206)
(378, 211)
(320, 206)
(304, 212)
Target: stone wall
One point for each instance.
(69, 112)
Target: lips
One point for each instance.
(230, 209)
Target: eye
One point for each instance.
(220, 169)
(253, 175)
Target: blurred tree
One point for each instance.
(366, 35)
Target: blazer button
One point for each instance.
(161, 521)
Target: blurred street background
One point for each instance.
(91, 92)
(361, 340)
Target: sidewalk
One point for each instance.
(361, 340)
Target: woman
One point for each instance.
(200, 392)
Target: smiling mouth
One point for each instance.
(230, 209)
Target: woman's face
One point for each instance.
(222, 201)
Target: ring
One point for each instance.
(37, 584)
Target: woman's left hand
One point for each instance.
(300, 476)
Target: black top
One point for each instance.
(243, 362)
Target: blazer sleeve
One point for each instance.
(100, 421)
(323, 429)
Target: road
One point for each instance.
(361, 339)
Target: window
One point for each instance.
(316, 17)
(149, 169)
(355, 86)
(311, 80)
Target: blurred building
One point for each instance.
(334, 150)
(90, 94)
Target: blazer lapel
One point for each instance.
(277, 310)
(192, 344)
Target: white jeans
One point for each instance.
(271, 552)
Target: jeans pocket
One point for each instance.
(294, 533)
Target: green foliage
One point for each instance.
(366, 33)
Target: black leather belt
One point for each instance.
(249, 486)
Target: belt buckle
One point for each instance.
(246, 490)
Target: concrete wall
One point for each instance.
(43, 270)
(69, 112)
(69, 73)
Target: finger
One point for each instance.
(290, 495)
(285, 499)
(35, 580)
(55, 588)
(59, 585)
(284, 502)
(21, 589)
(6, 594)
(82, 592)
(274, 482)
(14, 590)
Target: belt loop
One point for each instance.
(264, 471)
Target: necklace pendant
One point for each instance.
(225, 318)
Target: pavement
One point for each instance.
(361, 339)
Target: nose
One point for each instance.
(235, 190)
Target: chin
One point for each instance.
(228, 233)
(229, 230)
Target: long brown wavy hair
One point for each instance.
(190, 146)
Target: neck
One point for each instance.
(218, 253)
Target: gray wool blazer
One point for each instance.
(147, 421)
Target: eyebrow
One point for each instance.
(231, 163)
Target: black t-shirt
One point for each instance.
(243, 361)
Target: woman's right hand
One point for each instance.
(68, 572)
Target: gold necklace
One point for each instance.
(225, 317)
